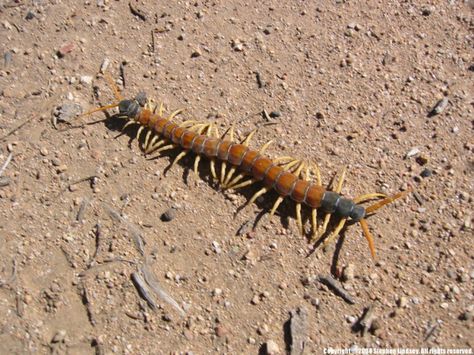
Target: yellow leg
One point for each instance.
(196, 163)
(154, 146)
(166, 147)
(212, 165)
(299, 220)
(277, 203)
(243, 184)
(314, 222)
(179, 157)
(175, 113)
(147, 139)
(129, 123)
(256, 195)
(140, 130)
(335, 232)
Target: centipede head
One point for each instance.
(130, 108)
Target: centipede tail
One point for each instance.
(242, 166)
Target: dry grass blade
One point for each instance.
(162, 294)
(133, 230)
(142, 288)
(4, 166)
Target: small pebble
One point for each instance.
(30, 15)
(221, 331)
(426, 173)
(86, 79)
(216, 247)
(402, 302)
(168, 215)
(414, 151)
(275, 114)
(65, 49)
(439, 107)
(60, 336)
(272, 348)
(104, 65)
(196, 53)
(444, 305)
(348, 273)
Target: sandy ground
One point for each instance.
(349, 83)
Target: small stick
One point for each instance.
(137, 12)
(4, 166)
(430, 331)
(20, 306)
(153, 41)
(336, 287)
(82, 209)
(16, 128)
(139, 283)
(12, 277)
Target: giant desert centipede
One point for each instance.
(286, 175)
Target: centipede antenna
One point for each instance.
(386, 201)
(103, 108)
(368, 236)
(113, 86)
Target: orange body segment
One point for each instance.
(223, 150)
(272, 174)
(259, 167)
(236, 154)
(176, 136)
(144, 117)
(210, 147)
(160, 125)
(187, 139)
(198, 144)
(168, 129)
(247, 160)
(285, 183)
(314, 195)
(299, 190)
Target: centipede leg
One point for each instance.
(175, 113)
(335, 232)
(154, 146)
(178, 158)
(257, 195)
(166, 147)
(299, 220)
(129, 123)
(147, 140)
(277, 203)
(243, 184)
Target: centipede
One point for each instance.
(242, 166)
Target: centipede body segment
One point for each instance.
(286, 175)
